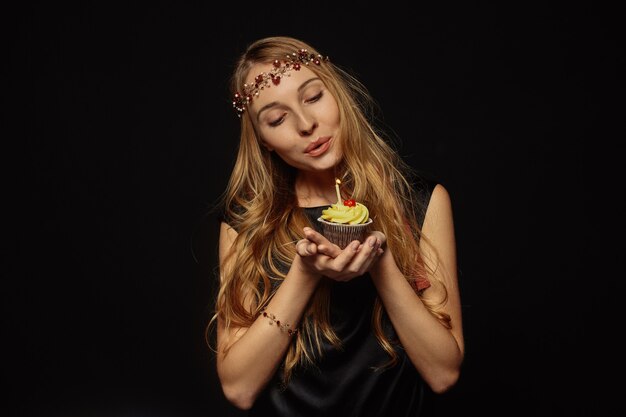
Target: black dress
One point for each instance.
(344, 382)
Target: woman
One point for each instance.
(303, 326)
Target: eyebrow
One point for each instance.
(275, 103)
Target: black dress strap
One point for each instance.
(424, 187)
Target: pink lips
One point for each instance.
(318, 147)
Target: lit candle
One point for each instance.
(337, 182)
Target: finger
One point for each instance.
(380, 236)
(346, 256)
(323, 245)
(304, 247)
(314, 236)
(366, 254)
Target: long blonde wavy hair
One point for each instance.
(261, 205)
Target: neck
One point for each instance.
(315, 188)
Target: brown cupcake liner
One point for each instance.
(342, 234)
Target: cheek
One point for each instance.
(275, 140)
(266, 136)
(331, 112)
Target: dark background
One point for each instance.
(120, 136)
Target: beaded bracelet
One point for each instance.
(282, 326)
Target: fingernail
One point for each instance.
(355, 245)
(371, 241)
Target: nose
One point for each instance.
(306, 124)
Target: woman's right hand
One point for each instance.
(323, 257)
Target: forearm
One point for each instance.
(253, 359)
(431, 347)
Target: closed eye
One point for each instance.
(315, 98)
(277, 122)
(281, 119)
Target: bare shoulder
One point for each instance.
(440, 206)
(439, 247)
(227, 237)
(227, 229)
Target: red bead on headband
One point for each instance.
(242, 100)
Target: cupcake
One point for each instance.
(345, 221)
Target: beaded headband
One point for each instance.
(293, 61)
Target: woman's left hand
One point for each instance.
(341, 265)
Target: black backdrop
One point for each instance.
(120, 119)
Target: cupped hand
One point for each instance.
(330, 260)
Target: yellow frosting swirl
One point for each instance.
(340, 213)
